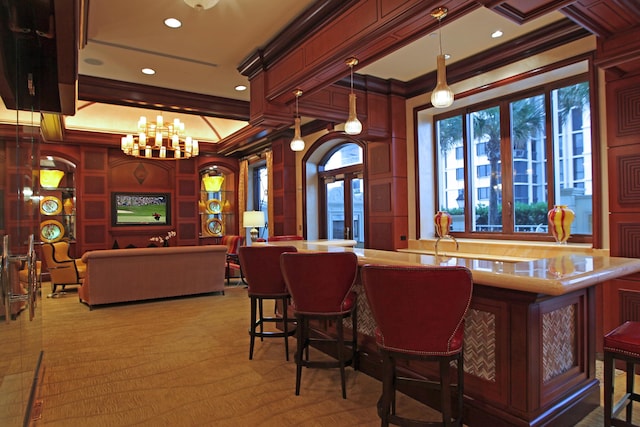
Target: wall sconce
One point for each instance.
(253, 219)
(352, 125)
(50, 178)
(297, 143)
(442, 96)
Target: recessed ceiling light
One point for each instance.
(240, 88)
(496, 34)
(172, 23)
(447, 56)
(148, 71)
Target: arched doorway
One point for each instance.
(341, 193)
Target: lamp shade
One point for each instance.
(213, 183)
(442, 96)
(50, 177)
(253, 219)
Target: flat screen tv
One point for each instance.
(140, 209)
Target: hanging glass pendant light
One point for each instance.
(442, 96)
(297, 143)
(352, 126)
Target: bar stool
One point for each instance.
(622, 343)
(321, 288)
(419, 314)
(261, 267)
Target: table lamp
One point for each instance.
(253, 219)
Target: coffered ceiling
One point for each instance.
(199, 61)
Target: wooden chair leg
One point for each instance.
(445, 392)
(341, 356)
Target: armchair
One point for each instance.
(63, 269)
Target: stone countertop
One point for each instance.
(559, 274)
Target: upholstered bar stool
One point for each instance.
(622, 343)
(261, 267)
(321, 285)
(419, 314)
(233, 242)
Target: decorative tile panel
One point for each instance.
(480, 344)
(558, 341)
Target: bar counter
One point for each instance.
(529, 333)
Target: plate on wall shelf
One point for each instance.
(51, 231)
(213, 206)
(214, 227)
(50, 205)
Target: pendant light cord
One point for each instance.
(440, 34)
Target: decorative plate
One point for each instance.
(214, 227)
(50, 205)
(214, 206)
(51, 231)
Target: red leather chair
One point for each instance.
(321, 288)
(261, 267)
(622, 343)
(285, 238)
(419, 314)
(233, 242)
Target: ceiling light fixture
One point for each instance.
(297, 143)
(172, 23)
(442, 96)
(200, 5)
(161, 141)
(352, 125)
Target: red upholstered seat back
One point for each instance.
(418, 310)
(261, 268)
(320, 282)
(232, 243)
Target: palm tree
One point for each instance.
(486, 128)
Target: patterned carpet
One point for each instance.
(184, 362)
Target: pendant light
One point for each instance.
(297, 143)
(352, 125)
(442, 96)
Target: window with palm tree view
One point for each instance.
(510, 160)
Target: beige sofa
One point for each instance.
(120, 275)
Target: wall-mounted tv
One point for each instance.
(140, 209)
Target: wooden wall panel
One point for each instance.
(284, 189)
(93, 208)
(624, 178)
(379, 161)
(381, 234)
(94, 185)
(94, 161)
(625, 234)
(380, 197)
(623, 111)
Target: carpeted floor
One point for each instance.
(184, 362)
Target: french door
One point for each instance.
(343, 206)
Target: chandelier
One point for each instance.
(160, 140)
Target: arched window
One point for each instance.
(341, 189)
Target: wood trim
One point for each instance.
(142, 96)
